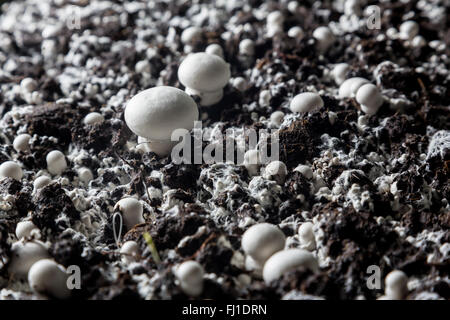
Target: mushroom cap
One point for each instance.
(49, 278)
(11, 169)
(41, 182)
(204, 72)
(262, 240)
(306, 102)
(92, 118)
(349, 87)
(21, 142)
(24, 254)
(370, 96)
(306, 231)
(24, 228)
(396, 284)
(190, 274)
(155, 113)
(287, 260)
(132, 211)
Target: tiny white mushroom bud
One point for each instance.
(306, 236)
(85, 175)
(191, 34)
(324, 37)
(56, 162)
(349, 87)
(240, 84)
(252, 162)
(247, 47)
(24, 228)
(24, 254)
(306, 102)
(261, 241)
(339, 72)
(157, 112)
(292, 6)
(275, 17)
(48, 278)
(370, 98)
(396, 285)
(215, 49)
(28, 85)
(10, 169)
(409, 29)
(418, 42)
(276, 118)
(190, 274)
(21, 142)
(264, 98)
(288, 260)
(93, 118)
(132, 211)
(295, 32)
(276, 170)
(41, 182)
(143, 67)
(205, 75)
(305, 171)
(129, 250)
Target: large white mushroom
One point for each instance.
(157, 112)
(204, 75)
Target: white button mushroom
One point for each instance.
(155, 113)
(396, 285)
(28, 85)
(418, 42)
(215, 49)
(132, 211)
(288, 260)
(339, 72)
(10, 169)
(240, 84)
(274, 23)
(56, 162)
(41, 182)
(306, 236)
(93, 118)
(295, 32)
(190, 274)
(48, 278)
(324, 38)
(143, 67)
(247, 47)
(24, 254)
(276, 118)
(21, 142)
(24, 228)
(261, 241)
(204, 75)
(409, 29)
(350, 86)
(85, 175)
(129, 251)
(305, 171)
(191, 34)
(264, 98)
(276, 170)
(252, 162)
(370, 98)
(306, 102)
